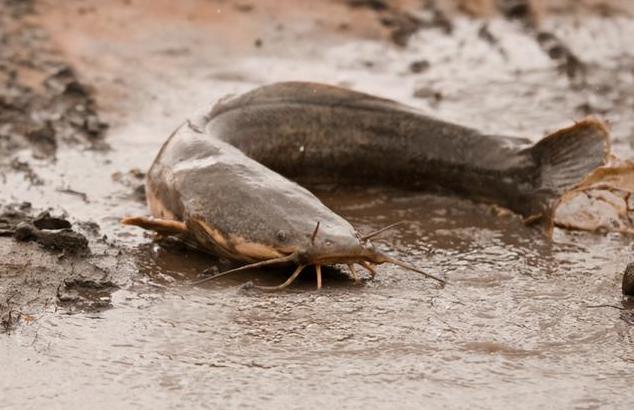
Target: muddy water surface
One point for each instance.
(516, 325)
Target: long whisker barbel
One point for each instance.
(381, 230)
(283, 259)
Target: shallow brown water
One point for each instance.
(512, 329)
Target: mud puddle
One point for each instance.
(514, 327)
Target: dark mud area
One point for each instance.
(48, 262)
(88, 305)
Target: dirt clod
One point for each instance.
(52, 233)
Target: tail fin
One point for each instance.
(566, 157)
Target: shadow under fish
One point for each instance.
(222, 181)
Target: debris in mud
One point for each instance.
(42, 102)
(82, 195)
(52, 233)
(628, 280)
(65, 240)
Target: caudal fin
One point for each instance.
(566, 157)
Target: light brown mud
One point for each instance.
(514, 327)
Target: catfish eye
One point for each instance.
(281, 236)
(328, 242)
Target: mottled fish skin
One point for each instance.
(221, 173)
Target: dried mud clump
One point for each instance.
(52, 233)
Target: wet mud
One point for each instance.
(89, 305)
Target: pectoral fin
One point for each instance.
(161, 226)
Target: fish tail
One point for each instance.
(565, 157)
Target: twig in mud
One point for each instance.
(82, 195)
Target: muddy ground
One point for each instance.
(94, 312)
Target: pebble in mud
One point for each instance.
(628, 280)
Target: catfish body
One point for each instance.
(324, 133)
(221, 179)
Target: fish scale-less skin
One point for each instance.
(225, 174)
(206, 179)
(342, 135)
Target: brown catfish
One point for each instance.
(220, 180)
